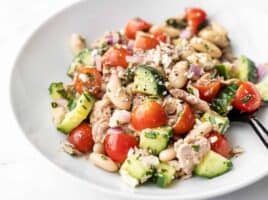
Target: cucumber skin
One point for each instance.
(164, 179)
(156, 89)
(203, 171)
(221, 103)
(250, 73)
(65, 126)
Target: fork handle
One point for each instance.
(261, 131)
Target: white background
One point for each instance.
(24, 173)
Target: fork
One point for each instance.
(237, 116)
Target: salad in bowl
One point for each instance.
(151, 102)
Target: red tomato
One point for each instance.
(195, 17)
(117, 145)
(247, 98)
(185, 121)
(115, 57)
(207, 92)
(145, 41)
(91, 81)
(81, 138)
(158, 34)
(148, 115)
(135, 25)
(220, 144)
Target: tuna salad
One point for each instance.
(151, 102)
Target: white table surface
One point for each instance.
(24, 173)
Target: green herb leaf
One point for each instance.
(196, 147)
(246, 98)
(151, 134)
(54, 105)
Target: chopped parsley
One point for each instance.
(103, 157)
(246, 98)
(54, 105)
(151, 135)
(196, 147)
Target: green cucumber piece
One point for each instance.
(246, 70)
(219, 123)
(82, 58)
(155, 140)
(213, 165)
(222, 103)
(263, 88)
(164, 175)
(84, 104)
(147, 80)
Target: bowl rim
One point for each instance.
(25, 41)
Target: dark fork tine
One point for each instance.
(260, 130)
(258, 127)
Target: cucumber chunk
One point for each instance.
(147, 80)
(83, 58)
(222, 103)
(72, 119)
(213, 165)
(135, 171)
(155, 140)
(164, 175)
(219, 123)
(263, 89)
(57, 91)
(246, 70)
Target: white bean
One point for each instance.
(77, 43)
(205, 46)
(118, 94)
(178, 75)
(167, 154)
(104, 162)
(98, 148)
(216, 37)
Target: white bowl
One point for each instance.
(45, 58)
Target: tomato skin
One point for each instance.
(117, 145)
(81, 138)
(145, 42)
(220, 144)
(116, 56)
(185, 121)
(158, 34)
(135, 25)
(247, 97)
(209, 91)
(195, 17)
(148, 115)
(93, 84)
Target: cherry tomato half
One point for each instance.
(88, 79)
(209, 91)
(185, 121)
(135, 25)
(149, 114)
(81, 138)
(247, 97)
(145, 41)
(220, 144)
(195, 17)
(115, 56)
(117, 145)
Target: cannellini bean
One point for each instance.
(167, 154)
(168, 30)
(77, 43)
(214, 36)
(205, 46)
(178, 75)
(98, 148)
(103, 162)
(201, 129)
(118, 94)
